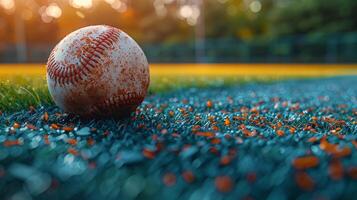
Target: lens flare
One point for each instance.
(7, 4)
(54, 11)
(86, 4)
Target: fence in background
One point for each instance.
(337, 48)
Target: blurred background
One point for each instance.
(189, 31)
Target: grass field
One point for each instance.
(24, 85)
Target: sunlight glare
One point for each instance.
(255, 6)
(86, 4)
(7, 4)
(186, 11)
(191, 13)
(54, 11)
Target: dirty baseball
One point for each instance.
(98, 72)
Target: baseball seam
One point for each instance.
(90, 59)
(116, 101)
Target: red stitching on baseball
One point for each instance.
(122, 100)
(64, 75)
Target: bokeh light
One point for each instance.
(86, 4)
(118, 5)
(54, 11)
(190, 13)
(186, 21)
(255, 6)
(8, 5)
(160, 8)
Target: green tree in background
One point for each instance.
(241, 19)
(313, 16)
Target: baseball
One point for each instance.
(98, 71)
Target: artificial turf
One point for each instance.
(285, 140)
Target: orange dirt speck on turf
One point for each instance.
(31, 127)
(224, 184)
(215, 141)
(280, 133)
(67, 128)
(188, 176)
(209, 104)
(46, 139)
(9, 143)
(206, 134)
(352, 172)
(304, 181)
(55, 126)
(225, 160)
(312, 139)
(90, 141)
(305, 162)
(45, 117)
(16, 125)
(72, 141)
(169, 179)
(227, 122)
(72, 151)
(336, 169)
(150, 154)
(333, 149)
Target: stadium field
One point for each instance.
(204, 131)
(27, 84)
